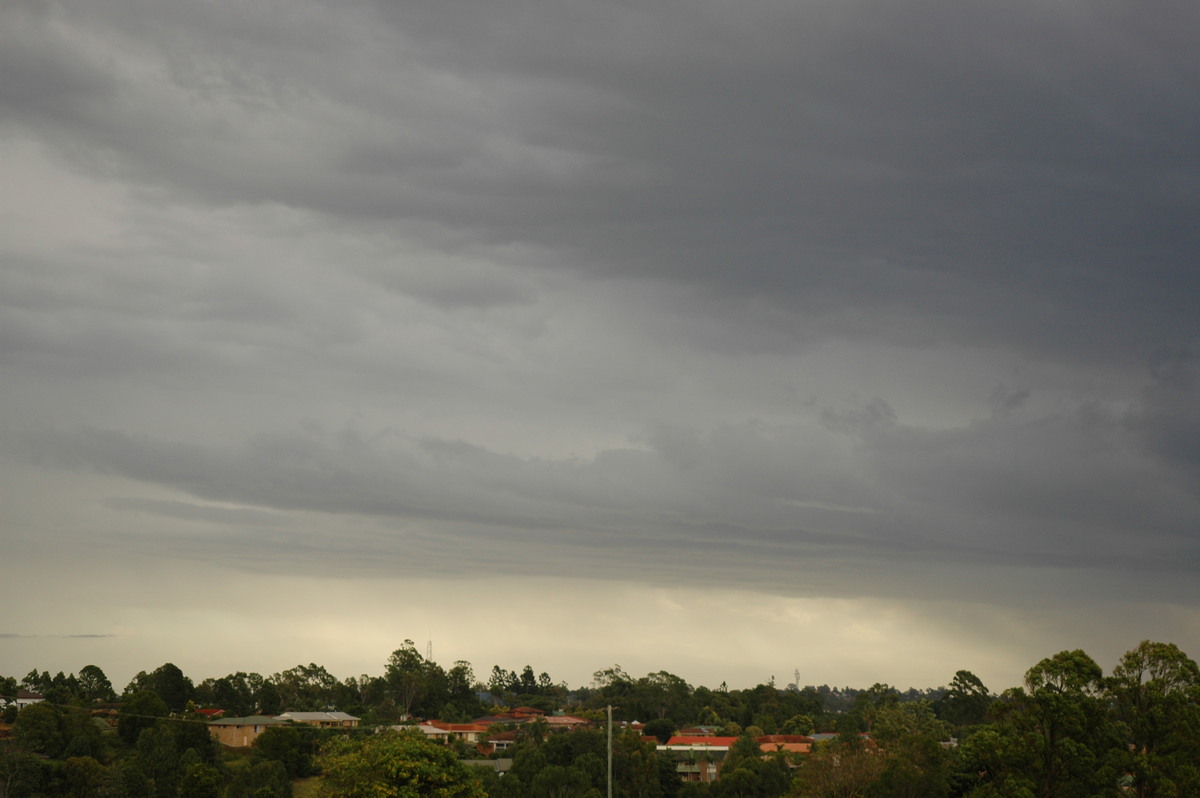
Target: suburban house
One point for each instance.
(22, 699)
(323, 720)
(784, 744)
(500, 741)
(513, 716)
(441, 731)
(241, 732)
(697, 758)
(565, 722)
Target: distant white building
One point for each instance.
(22, 699)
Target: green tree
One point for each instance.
(916, 764)
(94, 684)
(39, 682)
(406, 676)
(270, 702)
(1052, 739)
(807, 702)
(798, 724)
(39, 728)
(747, 773)
(463, 703)
(1155, 694)
(635, 766)
(84, 776)
(292, 746)
(138, 712)
(560, 781)
(82, 736)
(869, 702)
(668, 776)
(662, 695)
(501, 680)
(168, 683)
(966, 700)
(234, 693)
(158, 757)
(400, 764)
(435, 690)
(845, 767)
(22, 773)
(260, 779)
(660, 728)
(305, 688)
(191, 735)
(613, 688)
(527, 683)
(200, 780)
(126, 779)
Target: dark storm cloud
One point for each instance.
(1072, 490)
(822, 299)
(1022, 176)
(997, 172)
(1171, 426)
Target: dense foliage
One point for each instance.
(394, 765)
(1068, 730)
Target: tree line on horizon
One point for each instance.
(1068, 731)
(413, 686)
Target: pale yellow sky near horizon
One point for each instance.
(568, 628)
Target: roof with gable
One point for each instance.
(565, 720)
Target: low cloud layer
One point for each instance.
(815, 302)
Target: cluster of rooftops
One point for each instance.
(698, 750)
(481, 732)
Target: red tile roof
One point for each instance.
(783, 738)
(787, 748)
(715, 741)
(565, 720)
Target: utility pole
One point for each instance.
(610, 751)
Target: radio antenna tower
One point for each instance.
(429, 649)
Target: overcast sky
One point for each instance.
(857, 339)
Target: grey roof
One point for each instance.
(250, 720)
(305, 716)
(498, 765)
